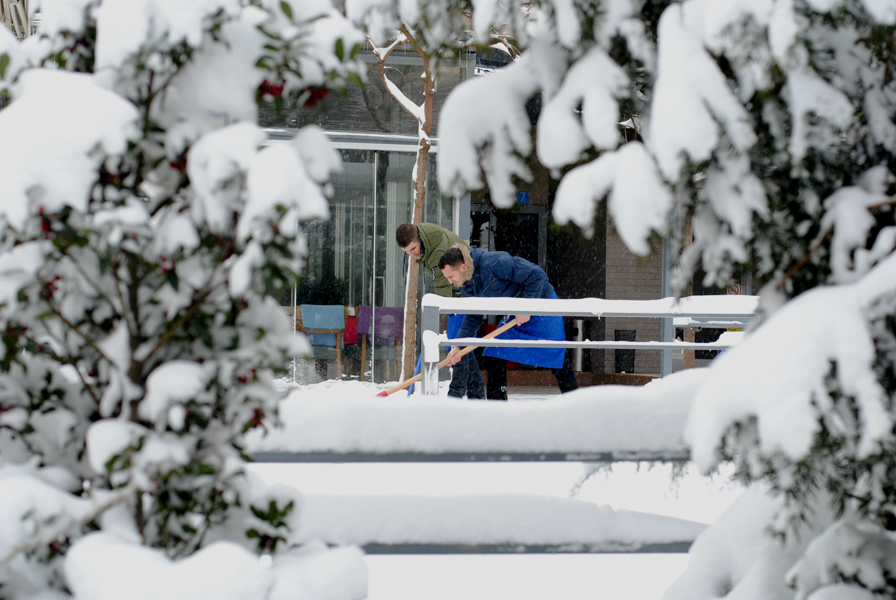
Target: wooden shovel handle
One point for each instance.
(467, 349)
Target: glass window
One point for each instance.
(353, 258)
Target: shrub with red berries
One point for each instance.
(141, 276)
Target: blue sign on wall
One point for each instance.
(522, 197)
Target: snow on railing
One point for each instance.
(692, 311)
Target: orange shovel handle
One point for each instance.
(467, 349)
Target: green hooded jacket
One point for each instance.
(435, 241)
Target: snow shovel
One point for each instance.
(447, 361)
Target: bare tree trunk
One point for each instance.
(424, 120)
(410, 322)
(423, 146)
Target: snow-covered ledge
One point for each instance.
(485, 523)
(591, 424)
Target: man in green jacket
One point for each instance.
(426, 243)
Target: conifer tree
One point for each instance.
(767, 127)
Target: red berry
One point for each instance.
(269, 89)
(315, 95)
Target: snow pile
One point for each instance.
(102, 566)
(345, 417)
(349, 417)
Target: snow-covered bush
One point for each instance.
(765, 127)
(146, 234)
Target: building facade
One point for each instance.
(353, 258)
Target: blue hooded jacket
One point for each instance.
(501, 275)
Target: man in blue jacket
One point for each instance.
(495, 275)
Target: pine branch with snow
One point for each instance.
(766, 128)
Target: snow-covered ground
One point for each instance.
(657, 489)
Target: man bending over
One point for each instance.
(498, 274)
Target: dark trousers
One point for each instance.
(496, 375)
(466, 379)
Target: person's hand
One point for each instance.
(453, 355)
(520, 319)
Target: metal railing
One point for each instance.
(405, 430)
(692, 311)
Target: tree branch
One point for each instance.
(180, 322)
(805, 259)
(61, 530)
(381, 56)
